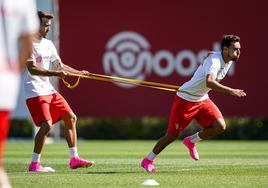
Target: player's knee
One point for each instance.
(220, 126)
(70, 118)
(46, 126)
(73, 118)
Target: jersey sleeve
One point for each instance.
(31, 58)
(212, 67)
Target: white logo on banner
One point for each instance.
(128, 56)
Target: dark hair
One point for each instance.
(42, 14)
(228, 40)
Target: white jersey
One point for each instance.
(212, 65)
(17, 17)
(44, 54)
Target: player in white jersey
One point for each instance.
(198, 106)
(18, 24)
(45, 104)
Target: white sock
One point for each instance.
(73, 152)
(151, 156)
(195, 138)
(36, 157)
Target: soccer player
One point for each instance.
(18, 25)
(45, 104)
(197, 104)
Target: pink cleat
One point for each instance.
(36, 167)
(76, 162)
(147, 165)
(191, 147)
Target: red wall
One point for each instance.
(169, 27)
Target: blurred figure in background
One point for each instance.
(45, 104)
(195, 103)
(18, 25)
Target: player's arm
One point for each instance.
(39, 71)
(25, 49)
(215, 85)
(61, 66)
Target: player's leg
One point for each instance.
(217, 127)
(4, 180)
(41, 136)
(210, 118)
(39, 110)
(162, 143)
(39, 142)
(176, 124)
(4, 128)
(69, 120)
(61, 110)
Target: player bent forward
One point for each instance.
(45, 104)
(198, 106)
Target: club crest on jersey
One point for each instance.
(38, 59)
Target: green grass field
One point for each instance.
(222, 164)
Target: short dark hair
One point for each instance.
(42, 14)
(228, 40)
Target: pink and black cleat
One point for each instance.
(148, 165)
(191, 147)
(76, 162)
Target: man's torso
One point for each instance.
(213, 64)
(44, 54)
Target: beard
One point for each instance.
(234, 58)
(45, 35)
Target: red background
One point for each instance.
(87, 26)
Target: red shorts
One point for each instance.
(4, 125)
(183, 112)
(49, 107)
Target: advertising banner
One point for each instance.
(160, 41)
